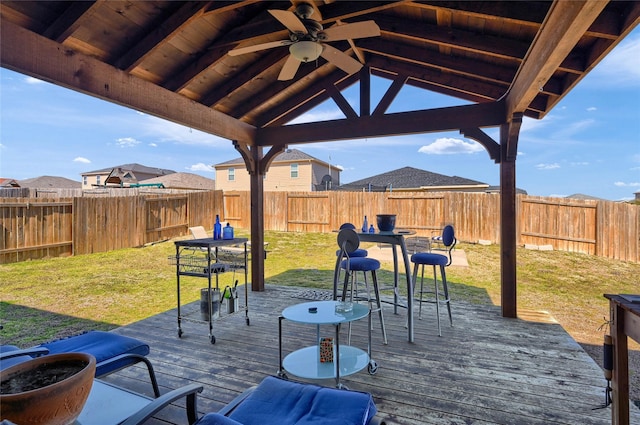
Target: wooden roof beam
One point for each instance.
(416, 122)
(306, 100)
(558, 35)
(55, 63)
(160, 34)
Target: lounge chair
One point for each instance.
(277, 401)
(113, 352)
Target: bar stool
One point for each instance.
(442, 261)
(348, 241)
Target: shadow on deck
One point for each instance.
(486, 369)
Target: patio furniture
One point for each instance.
(113, 352)
(282, 402)
(348, 241)
(423, 259)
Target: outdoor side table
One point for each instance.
(305, 362)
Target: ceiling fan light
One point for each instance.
(306, 51)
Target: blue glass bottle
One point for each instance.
(365, 225)
(217, 229)
(372, 229)
(227, 232)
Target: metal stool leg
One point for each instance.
(379, 305)
(446, 292)
(435, 282)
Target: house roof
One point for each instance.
(288, 155)
(410, 178)
(135, 168)
(184, 181)
(53, 182)
(8, 182)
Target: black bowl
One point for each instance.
(386, 222)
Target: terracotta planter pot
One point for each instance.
(47, 399)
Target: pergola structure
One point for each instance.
(505, 59)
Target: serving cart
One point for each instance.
(208, 258)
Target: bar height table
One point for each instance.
(624, 322)
(396, 238)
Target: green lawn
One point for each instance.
(45, 299)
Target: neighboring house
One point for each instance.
(188, 181)
(409, 179)
(496, 189)
(50, 182)
(583, 197)
(292, 170)
(8, 183)
(121, 175)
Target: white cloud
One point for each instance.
(201, 167)
(450, 146)
(621, 67)
(82, 160)
(580, 164)
(167, 131)
(127, 142)
(623, 184)
(592, 108)
(315, 116)
(552, 166)
(31, 80)
(153, 145)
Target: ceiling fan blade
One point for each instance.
(289, 20)
(289, 69)
(257, 47)
(340, 59)
(351, 31)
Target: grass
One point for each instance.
(52, 298)
(46, 299)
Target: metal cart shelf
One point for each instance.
(208, 258)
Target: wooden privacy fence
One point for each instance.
(37, 228)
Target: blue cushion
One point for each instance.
(357, 253)
(13, 360)
(102, 345)
(430, 259)
(216, 419)
(279, 402)
(361, 264)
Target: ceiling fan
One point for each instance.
(307, 40)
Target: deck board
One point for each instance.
(486, 369)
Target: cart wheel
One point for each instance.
(213, 339)
(248, 321)
(179, 333)
(373, 367)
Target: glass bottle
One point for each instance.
(227, 232)
(365, 225)
(217, 228)
(372, 229)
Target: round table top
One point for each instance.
(325, 313)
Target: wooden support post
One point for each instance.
(257, 231)
(509, 133)
(257, 165)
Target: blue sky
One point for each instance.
(589, 143)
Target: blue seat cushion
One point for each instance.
(357, 253)
(429, 259)
(101, 345)
(13, 360)
(280, 402)
(361, 264)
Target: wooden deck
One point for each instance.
(484, 370)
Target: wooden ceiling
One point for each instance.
(171, 59)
